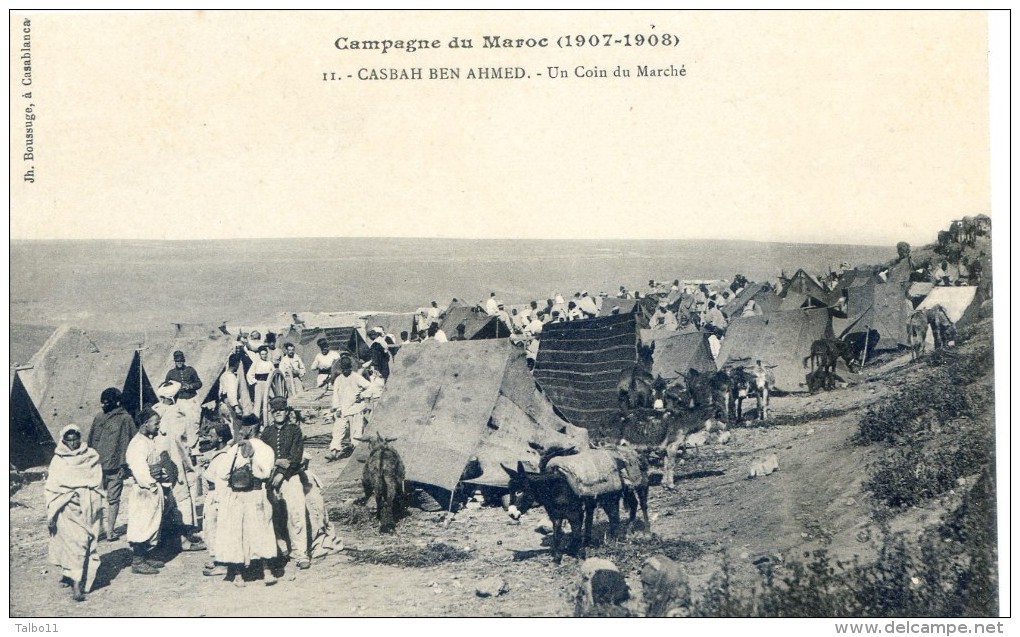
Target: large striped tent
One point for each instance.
(579, 365)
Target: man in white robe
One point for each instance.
(145, 513)
(244, 519)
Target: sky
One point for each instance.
(820, 127)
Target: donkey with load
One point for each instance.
(570, 485)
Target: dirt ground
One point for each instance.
(814, 500)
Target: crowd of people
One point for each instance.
(238, 486)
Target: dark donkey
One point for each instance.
(551, 489)
(634, 386)
(383, 477)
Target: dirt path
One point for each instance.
(814, 500)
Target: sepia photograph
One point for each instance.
(510, 314)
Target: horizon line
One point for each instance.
(390, 238)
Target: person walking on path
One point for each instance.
(145, 514)
(74, 504)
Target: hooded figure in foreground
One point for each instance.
(74, 508)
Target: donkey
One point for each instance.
(551, 489)
(635, 388)
(383, 477)
(917, 333)
(826, 352)
(634, 385)
(752, 382)
(942, 328)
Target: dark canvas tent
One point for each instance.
(137, 391)
(682, 352)
(579, 365)
(877, 315)
(477, 324)
(451, 403)
(31, 442)
(781, 341)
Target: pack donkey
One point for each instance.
(553, 489)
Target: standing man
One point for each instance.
(492, 305)
(187, 396)
(380, 351)
(258, 377)
(230, 397)
(146, 512)
(293, 369)
(275, 354)
(434, 313)
(286, 491)
(323, 363)
(110, 436)
(348, 410)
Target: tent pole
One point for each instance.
(864, 354)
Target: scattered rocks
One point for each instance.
(763, 466)
(492, 587)
(602, 584)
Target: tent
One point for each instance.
(137, 391)
(803, 283)
(342, 339)
(781, 341)
(579, 365)
(454, 406)
(392, 323)
(71, 371)
(879, 310)
(797, 301)
(642, 308)
(762, 295)
(963, 303)
(32, 444)
(477, 324)
(682, 352)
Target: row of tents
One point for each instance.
(457, 409)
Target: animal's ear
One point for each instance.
(510, 472)
(520, 468)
